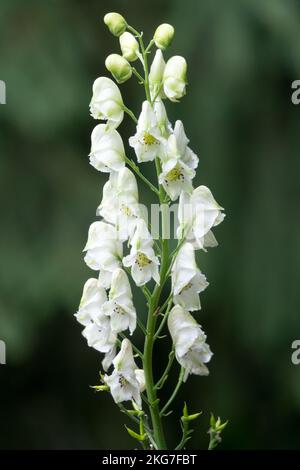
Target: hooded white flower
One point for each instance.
(175, 78)
(97, 329)
(107, 103)
(191, 350)
(163, 122)
(176, 174)
(107, 150)
(127, 381)
(156, 75)
(186, 154)
(200, 212)
(147, 140)
(187, 279)
(120, 307)
(119, 204)
(104, 250)
(142, 260)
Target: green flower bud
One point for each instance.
(175, 78)
(115, 23)
(129, 46)
(163, 36)
(118, 67)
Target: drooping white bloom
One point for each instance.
(147, 140)
(127, 381)
(199, 212)
(156, 75)
(187, 279)
(104, 250)
(107, 103)
(129, 46)
(177, 167)
(107, 150)
(191, 350)
(119, 204)
(186, 154)
(163, 122)
(142, 260)
(97, 331)
(175, 78)
(120, 307)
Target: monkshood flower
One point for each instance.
(181, 147)
(129, 46)
(119, 204)
(191, 350)
(107, 103)
(142, 260)
(127, 381)
(104, 250)
(163, 35)
(107, 149)
(187, 279)
(97, 331)
(120, 307)
(175, 78)
(163, 122)
(179, 163)
(156, 75)
(198, 213)
(147, 140)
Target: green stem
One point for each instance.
(130, 113)
(136, 169)
(173, 396)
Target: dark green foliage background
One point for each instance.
(242, 57)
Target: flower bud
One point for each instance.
(156, 73)
(118, 67)
(129, 46)
(163, 36)
(175, 78)
(115, 23)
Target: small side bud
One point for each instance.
(118, 67)
(163, 36)
(175, 78)
(129, 46)
(115, 23)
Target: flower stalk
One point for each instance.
(107, 309)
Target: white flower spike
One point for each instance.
(187, 279)
(119, 204)
(104, 250)
(107, 103)
(142, 260)
(120, 307)
(191, 350)
(198, 213)
(107, 149)
(127, 381)
(147, 140)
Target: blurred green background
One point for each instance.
(242, 58)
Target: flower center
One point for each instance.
(122, 381)
(126, 210)
(148, 139)
(175, 174)
(188, 286)
(119, 310)
(142, 260)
